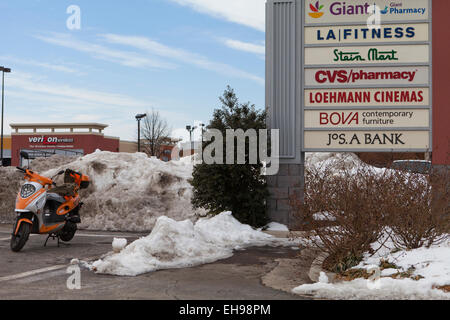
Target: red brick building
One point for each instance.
(71, 139)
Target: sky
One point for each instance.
(129, 57)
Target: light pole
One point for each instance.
(202, 125)
(7, 70)
(139, 117)
(191, 130)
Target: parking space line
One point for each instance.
(107, 235)
(9, 238)
(31, 273)
(91, 236)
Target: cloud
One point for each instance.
(250, 13)
(156, 48)
(46, 65)
(245, 46)
(125, 58)
(31, 84)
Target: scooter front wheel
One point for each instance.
(19, 240)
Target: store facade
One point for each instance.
(68, 139)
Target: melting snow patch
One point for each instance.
(174, 244)
(323, 216)
(119, 244)
(323, 278)
(429, 267)
(275, 226)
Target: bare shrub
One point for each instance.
(418, 209)
(349, 198)
(360, 203)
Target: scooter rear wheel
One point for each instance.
(68, 232)
(19, 240)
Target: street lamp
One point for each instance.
(202, 125)
(139, 117)
(191, 129)
(7, 70)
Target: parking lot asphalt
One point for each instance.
(39, 272)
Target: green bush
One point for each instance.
(237, 188)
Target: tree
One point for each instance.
(237, 188)
(155, 132)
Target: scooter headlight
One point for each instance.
(27, 190)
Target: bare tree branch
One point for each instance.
(155, 132)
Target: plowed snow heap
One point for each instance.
(128, 192)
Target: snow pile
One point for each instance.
(119, 244)
(45, 164)
(10, 182)
(323, 278)
(324, 216)
(338, 162)
(424, 270)
(128, 192)
(182, 244)
(275, 226)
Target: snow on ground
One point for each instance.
(180, 244)
(275, 226)
(337, 161)
(119, 244)
(323, 216)
(429, 266)
(10, 182)
(129, 192)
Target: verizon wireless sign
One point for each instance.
(365, 88)
(49, 140)
(370, 76)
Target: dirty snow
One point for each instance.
(180, 244)
(275, 226)
(10, 182)
(128, 192)
(119, 244)
(323, 278)
(323, 216)
(338, 162)
(430, 264)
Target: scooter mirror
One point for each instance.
(24, 155)
(61, 172)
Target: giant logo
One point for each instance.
(315, 10)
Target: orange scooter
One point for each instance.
(44, 208)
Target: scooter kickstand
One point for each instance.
(53, 236)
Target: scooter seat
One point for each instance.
(67, 189)
(55, 197)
